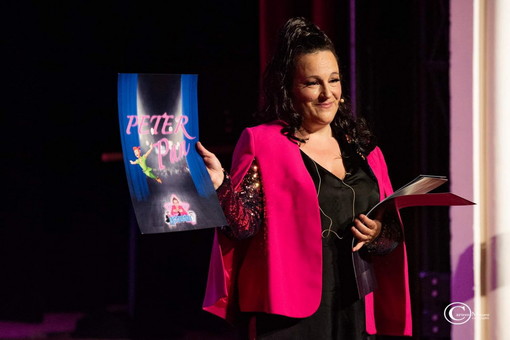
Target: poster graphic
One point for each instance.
(168, 182)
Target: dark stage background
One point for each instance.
(68, 241)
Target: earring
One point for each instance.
(342, 100)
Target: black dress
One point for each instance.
(341, 314)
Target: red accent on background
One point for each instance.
(111, 156)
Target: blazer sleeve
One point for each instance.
(391, 302)
(219, 294)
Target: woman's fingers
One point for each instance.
(202, 151)
(365, 230)
(212, 164)
(210, 159)
(358, 246)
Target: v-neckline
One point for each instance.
(323, 168)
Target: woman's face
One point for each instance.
(316, 89)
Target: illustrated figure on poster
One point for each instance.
(178, 212)
(142, 162)
(177, 208)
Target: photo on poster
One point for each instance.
(168, 182)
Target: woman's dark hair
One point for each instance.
(297, 37)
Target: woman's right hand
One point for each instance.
(212, 164)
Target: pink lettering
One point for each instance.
(156, 125)
(161, 151)
(181, 121)
(167, 126)
(131, 124)
(144, 123)
(175, 152)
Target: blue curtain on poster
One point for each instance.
(198, 172)
(127, 93)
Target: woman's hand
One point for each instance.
(212, 164)
(365, 230)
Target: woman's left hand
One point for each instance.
(365, 230)
(212, 164)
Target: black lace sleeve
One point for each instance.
(244, 207)
(389, 238)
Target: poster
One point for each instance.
(169, 185)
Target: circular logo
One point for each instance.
(457, 313)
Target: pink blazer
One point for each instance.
(279, 270)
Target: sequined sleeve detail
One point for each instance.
(243, 207)
(389, 238)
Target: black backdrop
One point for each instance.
(66, 234)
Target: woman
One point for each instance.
(177, 209)
(297, 254)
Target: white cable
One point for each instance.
(329, 231)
